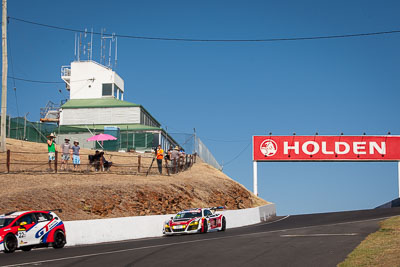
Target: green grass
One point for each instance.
(381, 248)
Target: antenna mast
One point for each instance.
(116, 53)
(91, 44)
(75, 46)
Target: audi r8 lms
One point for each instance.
(28, 229)
(201, 220)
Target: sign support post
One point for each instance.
(255, 191)
(398, 174)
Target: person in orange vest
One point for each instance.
(160, 156)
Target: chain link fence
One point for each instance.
(22, 129)
(192, 144)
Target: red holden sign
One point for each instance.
(326, 148)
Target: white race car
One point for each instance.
(28, 229)
(201, 220)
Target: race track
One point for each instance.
(301, 240)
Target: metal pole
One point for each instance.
(194, 140)
(398, 173)
(4, 79)
(25, 127)
(255, 191)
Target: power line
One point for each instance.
(32, 81)
(215, 40)
(224, 141)
(238, 155)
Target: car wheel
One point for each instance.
(26, 248)
(205, 227)
(10, 243)
(223, 227)
(59, 239)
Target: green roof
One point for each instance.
(100, 127)
(109, 102)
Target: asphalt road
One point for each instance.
(302, 240)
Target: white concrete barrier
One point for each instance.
(125, 228)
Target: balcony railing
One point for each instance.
(65, 71)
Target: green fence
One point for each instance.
(21, 129)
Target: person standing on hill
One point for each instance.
(66, 149)
(51, 148)
(76, 160)
(160, 156)
(174, 159)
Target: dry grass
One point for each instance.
(381, 248)
(114, 194)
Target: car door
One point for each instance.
(26, 226)
(211, 221)
(45, 224)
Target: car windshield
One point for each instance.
(5, 221)
(188, 215)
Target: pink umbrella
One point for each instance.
(101, 137)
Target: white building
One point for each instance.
(89, 79)
(96, 105)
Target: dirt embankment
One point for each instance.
(106, 195)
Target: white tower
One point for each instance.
(89, 79)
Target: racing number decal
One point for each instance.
(21, 234)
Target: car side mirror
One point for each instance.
(23, 223)
(172, 218)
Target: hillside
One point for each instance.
(92, 195)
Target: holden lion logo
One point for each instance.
(268, 147)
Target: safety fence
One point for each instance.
(112, 162)
(22, 129)
(191, 142)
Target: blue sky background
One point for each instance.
(231, 91)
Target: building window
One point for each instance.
(107, 89)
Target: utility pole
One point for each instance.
(4, 80)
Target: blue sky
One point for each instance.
(231, 91)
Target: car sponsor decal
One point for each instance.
(47, 228)
(44, 239)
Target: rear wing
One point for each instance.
(214, 209)
(58, 210)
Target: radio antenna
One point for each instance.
(91, 45)
(116, 53)
(75, 46)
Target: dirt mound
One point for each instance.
(106, 195)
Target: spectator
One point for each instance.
(181, 157)
(175, 158)
(160, 156)
(51, 148)
(168, 156)
(76, 160)
(94, 160)
(66, 149)
(106, 164)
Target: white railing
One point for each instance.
(65, 71)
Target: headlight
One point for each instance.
(194, 223)
(166, 226)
